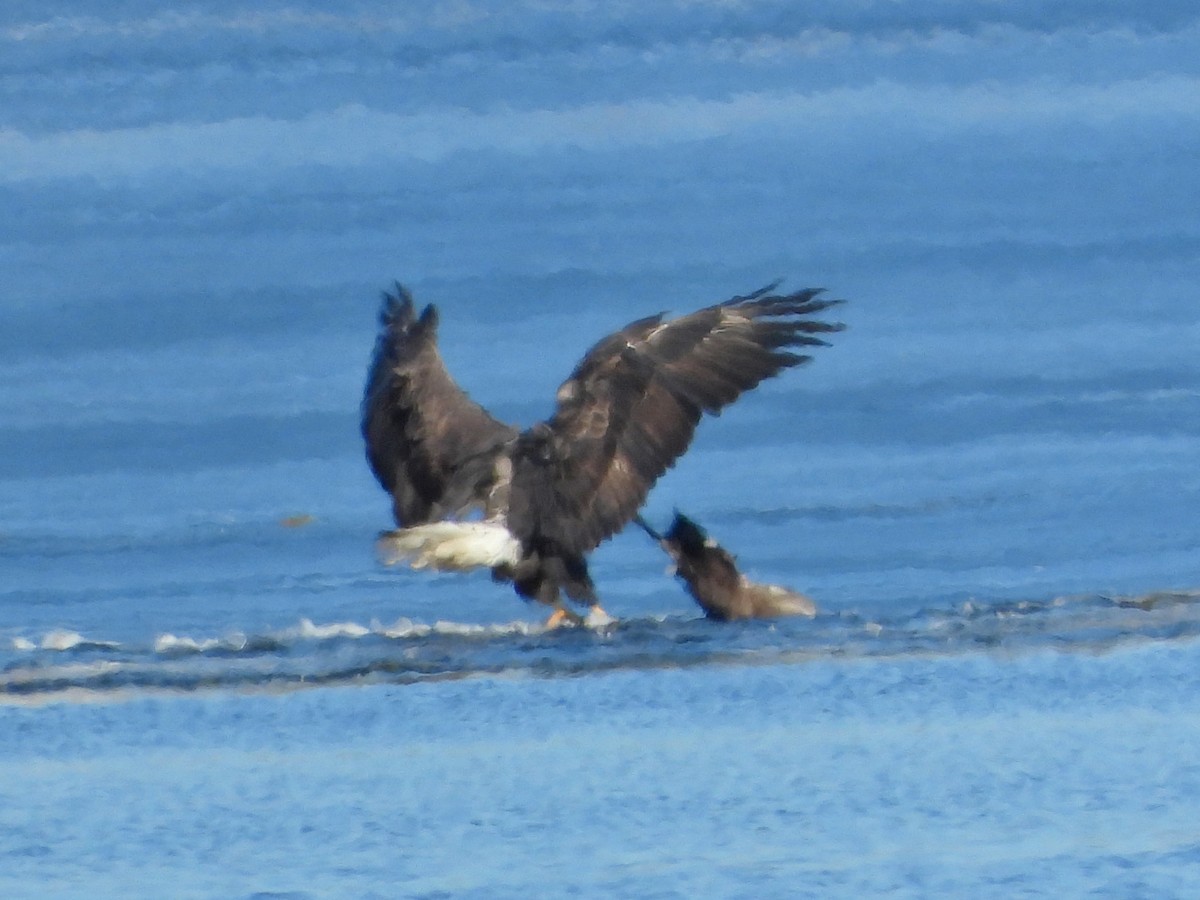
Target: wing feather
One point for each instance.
(631, 408)
(431, 446)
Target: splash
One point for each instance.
(65, 666)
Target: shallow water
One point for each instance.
(67, 665)
(209, 686)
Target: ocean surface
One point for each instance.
(989, 483)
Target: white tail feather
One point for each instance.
(450, 546)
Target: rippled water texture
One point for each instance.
(210, 686)
(66, 665)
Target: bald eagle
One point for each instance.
(711, 575)
(471, 491)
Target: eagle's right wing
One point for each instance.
(431, 447)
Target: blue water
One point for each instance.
(210, 687)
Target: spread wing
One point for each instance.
(632, 405)
(430, 446)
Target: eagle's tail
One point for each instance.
(450, 546)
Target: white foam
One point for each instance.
(308, 629)
(407, 628)
(598, 620)
(401, 628)
(61, 639)
(470, 629)
(170, 643)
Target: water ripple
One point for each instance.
(66, 666)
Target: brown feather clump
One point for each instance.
(711, 576)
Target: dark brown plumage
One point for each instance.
(552, 493)
(711, 575)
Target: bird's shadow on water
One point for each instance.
(309, 655)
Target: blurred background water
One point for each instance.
(210, 687)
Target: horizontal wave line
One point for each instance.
(356, 135)
(342, 654)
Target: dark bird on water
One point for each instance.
(711, 575)
(471, 491)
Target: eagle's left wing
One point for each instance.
(632, 405)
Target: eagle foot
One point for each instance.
(562, 617)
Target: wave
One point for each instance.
(521, 32)
(60, 640)
(354, 135)
(65, 666)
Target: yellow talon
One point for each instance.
(561, 617)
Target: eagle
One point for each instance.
(711, 576)
(471, 491)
